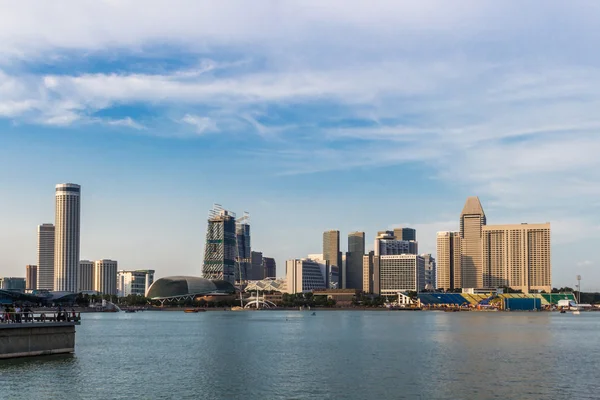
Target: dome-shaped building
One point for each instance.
(182, 287)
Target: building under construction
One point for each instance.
(220, 252)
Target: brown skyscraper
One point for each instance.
(31, 277)
(472, 220)
(449, 274)
(332, 253)
(517, 256)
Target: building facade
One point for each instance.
(368, 273)
(430, 272)
(67, 228)
(449, 275)
(85, 276)
(45, 257)
(517, 256)
(408, 234)
(304, 275)
(221, 248)
(270, 267)
(30, 277)
(354, 260)
(257, 269)
(244, 250)
(14, 284)
(332, 252)
(134, 282)
(386, 244)
(472, 221)
(105, 277)
(398, 273)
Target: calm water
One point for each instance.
(333, 355)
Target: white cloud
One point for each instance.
(126, 122)
(201, 124)
(585, 263)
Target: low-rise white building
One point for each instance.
(304, 275)
(134, 282)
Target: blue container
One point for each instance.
(522, 304)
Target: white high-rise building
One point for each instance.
(399, 273)
(66, 244)
(45, 257)
(105, 276)
(85, 276)
(134, 282)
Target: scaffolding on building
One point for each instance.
(220, 252)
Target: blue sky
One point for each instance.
(311, 116)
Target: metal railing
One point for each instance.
(29, 317)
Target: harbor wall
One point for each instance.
(25, 340)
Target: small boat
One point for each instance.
(563, 312)
(313, 313)
(190, 310)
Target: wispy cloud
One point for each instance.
(201, 124)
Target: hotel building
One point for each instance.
(66, 244)
(517, 256)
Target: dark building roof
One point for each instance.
(178, 286)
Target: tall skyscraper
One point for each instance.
(31, 277)
(66, 245)
(105, 279)
(517, 256)
(244, 266)
(472, 220)
(270, 267)
(449, 274)
(221, 247)
(45, 257)
(332, 253)
(409, 234)
(354, 260)
(430, 271)
(85, 277)
(368, 273)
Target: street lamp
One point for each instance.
(578, 289)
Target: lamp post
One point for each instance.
(578, 289)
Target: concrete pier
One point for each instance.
(25, 339)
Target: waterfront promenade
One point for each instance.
(27, 334)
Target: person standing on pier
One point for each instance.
(17, 314)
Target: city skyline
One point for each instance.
(162, 115)
(472, 210)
